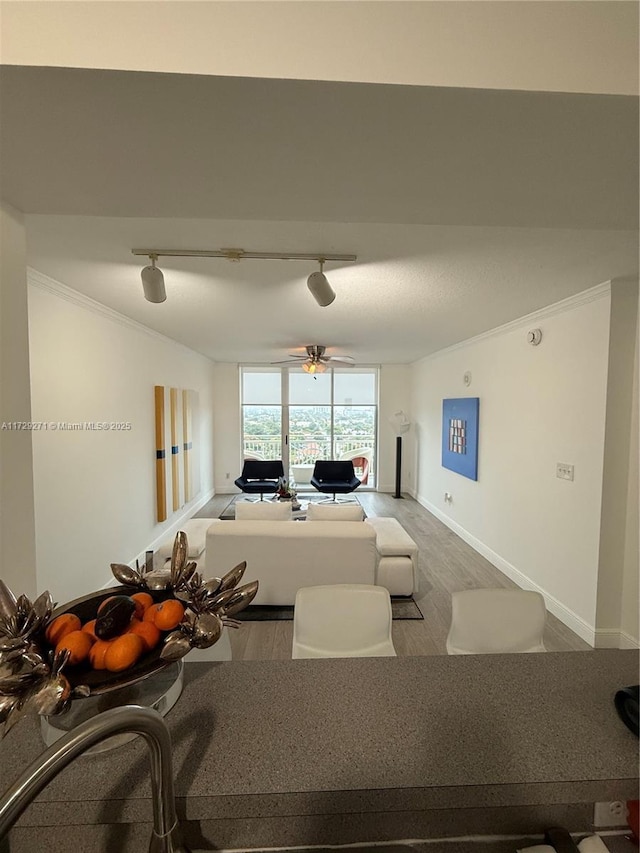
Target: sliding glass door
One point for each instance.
(289, 415)
(310, 422)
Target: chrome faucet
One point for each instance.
(166, 836)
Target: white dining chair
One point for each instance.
(493, 621)
(342, 620)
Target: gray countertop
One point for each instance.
(365, 734)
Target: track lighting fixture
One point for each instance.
(153, 282)
(320, 288)
(153, 279)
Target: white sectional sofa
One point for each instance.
(334, 545)
(284, 555)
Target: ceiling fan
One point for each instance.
(315, 360)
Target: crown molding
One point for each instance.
(35, 278)
(600, 291)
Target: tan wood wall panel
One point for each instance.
(161, 453)
(175, 448)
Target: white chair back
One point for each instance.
(342, 620)
(494, 621)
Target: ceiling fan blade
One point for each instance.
(288, 361)
(343, 359)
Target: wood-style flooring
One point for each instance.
(446, 564)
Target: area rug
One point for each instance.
(401, 608)
(229, 512)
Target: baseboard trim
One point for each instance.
(563, 613)
(606, 638)
(611, 638)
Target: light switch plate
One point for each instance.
(564, 471)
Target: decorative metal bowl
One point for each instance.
(32, 674)
(101, 681)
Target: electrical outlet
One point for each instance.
(564, 471)
(228, 475)
(448, 497)
(610, 814)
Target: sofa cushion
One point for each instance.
(391, 537)
(334, 512)
(263, 510)
(196, 530)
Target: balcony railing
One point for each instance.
(306, 450)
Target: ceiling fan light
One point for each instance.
(320, 289)
(153, 284)
(313, 367)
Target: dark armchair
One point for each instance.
(260, 476)
(334, 477)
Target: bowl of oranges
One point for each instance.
(114, 637)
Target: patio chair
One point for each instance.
(361, 458)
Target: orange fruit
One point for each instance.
(61, 626)
(123, 652)
(168, 614)
(143, 601)
(79, 644)
(90, 628)
(148, 631)
(97, 653)
(150, 613)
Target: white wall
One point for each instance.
(227, 427)
(394, 397)
(95, 490)
(630, 591)
(616, 528)
(538, 406)
(17, 526)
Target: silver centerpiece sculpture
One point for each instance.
(31, 674)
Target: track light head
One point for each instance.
(320, 289)
(153, 282)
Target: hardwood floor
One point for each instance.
(446, 564)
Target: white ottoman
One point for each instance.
(397, 556)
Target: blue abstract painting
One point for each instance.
(460, 435)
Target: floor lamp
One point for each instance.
(400, 423)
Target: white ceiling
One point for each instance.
(414, 289)
(466, 208)
(534, 45)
